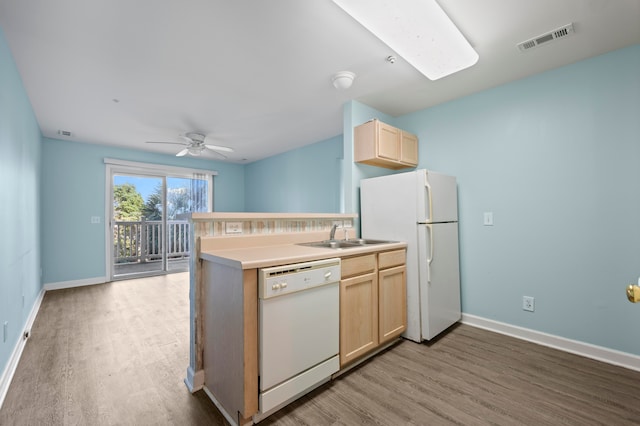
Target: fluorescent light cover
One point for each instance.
(418, 30)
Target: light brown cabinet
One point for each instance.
(372, 302)
(358, 307)
(380, 144)
(408, 149)
(392, 295)
(359, 316)
(372, 305)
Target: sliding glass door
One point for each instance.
(149, 230)
(184, 195)
(137, 225)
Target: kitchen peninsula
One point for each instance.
(236, 255)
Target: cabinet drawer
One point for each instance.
(389, 259)
(358, 265)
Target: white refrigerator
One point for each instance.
(421, 209)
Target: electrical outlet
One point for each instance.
(95, 219)
(233, 227)
(528, 303)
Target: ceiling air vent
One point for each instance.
(546, 38)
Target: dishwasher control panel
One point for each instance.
(285, 279)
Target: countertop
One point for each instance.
(273, 255)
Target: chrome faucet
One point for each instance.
(332, 234)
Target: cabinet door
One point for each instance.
(392, 293)
(388, 142)
(408, 148)
(358, 316)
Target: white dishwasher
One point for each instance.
(298, 330)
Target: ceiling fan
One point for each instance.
(195, 144)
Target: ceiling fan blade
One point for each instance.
(220, 154)
(212, 140)
(195, 144)
(169, 143)
(219, 148)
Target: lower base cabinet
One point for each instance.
(372, 312)
(373, 303)
(358, 316)
(392, 303)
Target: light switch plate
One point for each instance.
(488, 219)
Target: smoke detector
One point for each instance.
(343, 80)
(556, 34)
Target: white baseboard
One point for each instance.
(10, 369)
(194, 379)
(76, 283)
(599, 353)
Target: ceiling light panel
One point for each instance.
(417, 30)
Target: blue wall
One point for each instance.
(20, 153)
(356, 113)
(556, 158)
(73, 190)
(303, 180)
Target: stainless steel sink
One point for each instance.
(366, 242)
(334, 244)
(342, 244)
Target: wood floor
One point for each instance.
(116, 354)
(109, 354)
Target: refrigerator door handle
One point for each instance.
(429, 200)
(430, 259)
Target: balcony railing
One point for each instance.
(141, 241)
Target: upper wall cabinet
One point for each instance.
(379, 144)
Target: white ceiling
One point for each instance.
(256, 75)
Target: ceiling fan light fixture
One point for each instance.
(343, 80)
(194, 136)
(195, 143)
(195, 150)
(418, 31)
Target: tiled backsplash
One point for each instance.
(219, 224)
